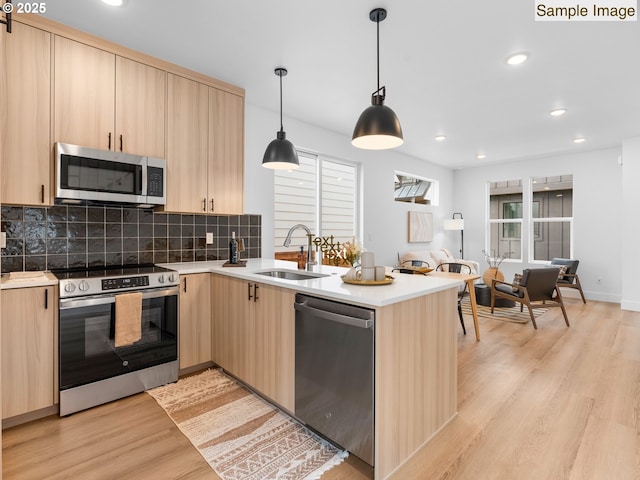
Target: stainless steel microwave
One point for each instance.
(88, 175)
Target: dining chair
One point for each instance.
(537, 288)
(453, 267)
(569, 278)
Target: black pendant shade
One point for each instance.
(378, 127)
(280, 153)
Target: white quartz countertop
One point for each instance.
(27, 279)
(404, 286)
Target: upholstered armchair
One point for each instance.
(537, 288)
(569, 278)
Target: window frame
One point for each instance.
(317, 228)
(531, 225)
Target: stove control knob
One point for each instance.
(172, 278)
(69, 287)
(84, 286)
(161, 278)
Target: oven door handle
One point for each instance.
(67, 303)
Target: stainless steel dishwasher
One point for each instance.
(334, 372)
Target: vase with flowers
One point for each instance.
(494, 261)
(351, 251)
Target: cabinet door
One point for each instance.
(187, 120)
(84, 86)
(275, 344)
(25, 116)
(140, 108)
(195, 319)
(226, 152)
(233, 334)
(28, 362)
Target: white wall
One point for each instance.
(385, 222)
(630, 231)
(597, 205)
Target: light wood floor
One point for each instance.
(553, 403)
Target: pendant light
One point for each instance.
(280, 154)
(378, 128)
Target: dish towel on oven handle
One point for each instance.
(128, 318)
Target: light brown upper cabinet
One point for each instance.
(106, 101)
(226, 152)
(205, 148)
(25, 116)
(187, 120)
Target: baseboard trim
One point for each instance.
(29, 417)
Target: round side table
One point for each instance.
(483, 297)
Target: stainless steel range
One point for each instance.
(93, 367)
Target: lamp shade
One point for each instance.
(280, 154)
(378, 128)
(454, 224)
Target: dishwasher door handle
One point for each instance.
(334, 317)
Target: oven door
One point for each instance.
(86, 337)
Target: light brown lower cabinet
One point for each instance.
(28, 349)
(253, 335)
(195, 319)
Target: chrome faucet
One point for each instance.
(287, 242)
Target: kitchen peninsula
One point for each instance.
(415, 366)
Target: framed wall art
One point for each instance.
(420, 227)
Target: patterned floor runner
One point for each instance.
(240, 435)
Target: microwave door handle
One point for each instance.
(142, 185)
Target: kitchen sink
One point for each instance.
(291, 275)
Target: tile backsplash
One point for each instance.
(61, 236)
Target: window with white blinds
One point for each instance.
(322, 194)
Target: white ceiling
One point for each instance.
(443, 63)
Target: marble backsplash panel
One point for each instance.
(61, 236)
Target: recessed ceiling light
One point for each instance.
(579, 140)
(114, 3)
(440, 138)
(517, 58)
(556, 112)
(480, 156)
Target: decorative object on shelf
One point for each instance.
(493, 272)
(280, 154)
(420, 227)
(454, 223)
(378, 127)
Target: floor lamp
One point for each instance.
(454, 223)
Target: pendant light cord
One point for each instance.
(281, 125)
(378, 50)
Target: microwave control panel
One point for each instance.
(155, 182)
